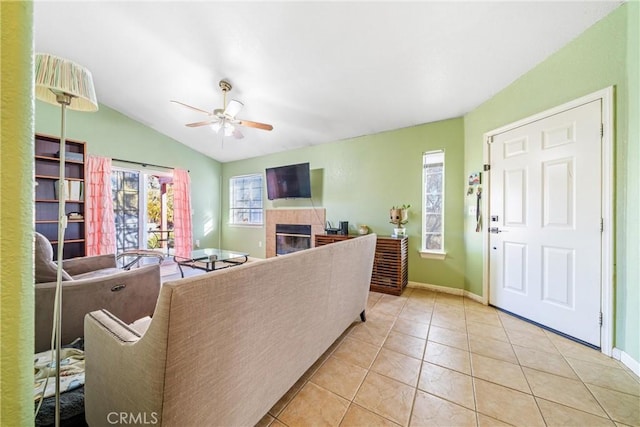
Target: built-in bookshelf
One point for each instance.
(47, 173)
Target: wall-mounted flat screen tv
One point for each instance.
(288, 182)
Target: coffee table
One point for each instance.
(206, 259)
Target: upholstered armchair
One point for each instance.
(89, 284)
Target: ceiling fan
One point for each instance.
(224, 119)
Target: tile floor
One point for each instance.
(433, 359)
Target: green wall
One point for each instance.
(628, 301)
(16, 214)
(112, 134)
(359, 179)
(596, 59)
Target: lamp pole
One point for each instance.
(64, 100)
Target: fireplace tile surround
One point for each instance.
(316, 218)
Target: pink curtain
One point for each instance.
(182, 232)
(101, 226)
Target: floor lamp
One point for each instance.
(65, 83)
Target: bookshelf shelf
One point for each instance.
(54, 221)
(56, 201)
(55, 242)
(57, 160)
(56, 178)
(47, 166)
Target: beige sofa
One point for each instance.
(223, 347)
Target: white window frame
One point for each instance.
(233, 202)
(429, 158)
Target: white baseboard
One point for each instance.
(445, 290)
(627, 360)
(474, 297)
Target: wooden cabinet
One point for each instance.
(47, 170)
(390, 264)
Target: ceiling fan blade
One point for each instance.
(233, 108)
(196, 124)
(193, 108)
(256, 125)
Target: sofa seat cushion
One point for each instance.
(97, 273)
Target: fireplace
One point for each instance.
(315, 217)
(292, 238)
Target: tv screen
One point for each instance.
(288, 182)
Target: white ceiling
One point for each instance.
(318, 72)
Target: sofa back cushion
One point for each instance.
(45, 268)
(257, 327)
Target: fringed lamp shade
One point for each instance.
(56, 75)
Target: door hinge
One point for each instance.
(601, 130)
(490, 140)
(486, 167)
(601, 225)
(600, 319)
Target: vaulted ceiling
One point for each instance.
(317, 71)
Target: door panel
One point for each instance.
(558, 193)
(545, 200)
(558, 276)
(515, 188)
(515, 267)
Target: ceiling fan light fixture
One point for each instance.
(233, 108)
(228, 129)
(216, 126)
(237, 134)
(224, 126)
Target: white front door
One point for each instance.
(545, 221)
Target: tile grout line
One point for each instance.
(535, 400)
(368, 369)
(564, 358)
(473, 381)
(584, 384)
(370, 366)
(424, 352)
(453, 369)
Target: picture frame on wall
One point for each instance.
(475, 178)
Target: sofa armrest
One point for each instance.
(111, 328)
(129, 295)
(74, 266)
(124, 371)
